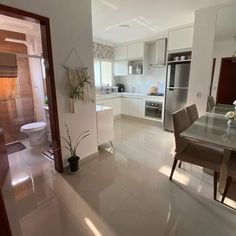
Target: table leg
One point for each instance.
(224, 170)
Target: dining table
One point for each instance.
(222, 109)
(212, 129)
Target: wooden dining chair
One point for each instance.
(210, 103)
(193, 116)
(231, 175)
(194, 153)
(192, 113)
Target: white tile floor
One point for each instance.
(125, 193)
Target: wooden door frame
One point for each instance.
(50, 79)
(212, 75)
(4, 166)
(220, 74)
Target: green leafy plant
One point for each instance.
(79, 83)
(73, 146)
(46, 101)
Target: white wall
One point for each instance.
(71, 26)
(221, 49)
(201, 66)
(202, 55)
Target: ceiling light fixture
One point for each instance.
(124, 26)
(121, 25)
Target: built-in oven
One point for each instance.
(153, 109)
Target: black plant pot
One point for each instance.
(74, 163)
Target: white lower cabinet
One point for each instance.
(115, 103)
(141, 105)
(132, 107)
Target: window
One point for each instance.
(102, 72)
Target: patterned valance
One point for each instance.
(8, 65)
(102, 51)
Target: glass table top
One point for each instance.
(222, 108)
(212, 129)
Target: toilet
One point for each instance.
(36, 131)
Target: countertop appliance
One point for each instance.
(153, 109)
(121, 88)
(176, 90)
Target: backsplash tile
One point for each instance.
(142, 83)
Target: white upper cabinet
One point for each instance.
(120, 68)
(127, 52)
(120, 52)
(180, 39)
(136, 50)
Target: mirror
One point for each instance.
(223, 81)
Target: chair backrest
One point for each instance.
(180, 122)
(192, 113)
(210, 103)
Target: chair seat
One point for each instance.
(202, 156)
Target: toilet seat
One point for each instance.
(33, 127)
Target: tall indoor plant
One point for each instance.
(72, 148)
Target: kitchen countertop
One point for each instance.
(135, 95)
(102, 108)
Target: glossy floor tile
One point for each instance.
(122, 193)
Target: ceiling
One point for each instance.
(225, 25)
(117, 21)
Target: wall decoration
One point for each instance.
(79, 81)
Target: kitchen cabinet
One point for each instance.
(120, 68)
(120, 52)
(136, 50)
(140, 107)
(180, 39)
(114, 103)
(132, 107)
(129, 106)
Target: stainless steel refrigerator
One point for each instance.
(176, 90)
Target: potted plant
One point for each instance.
(79, 83)
(231, 116)
(72, 148)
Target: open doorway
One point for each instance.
(27, 89)
(227, 81)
